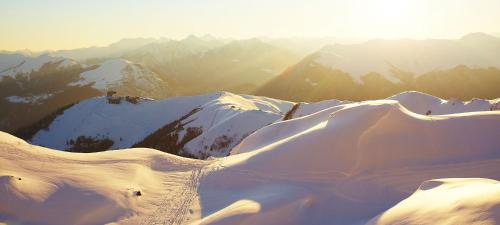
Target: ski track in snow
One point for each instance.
(173, 209)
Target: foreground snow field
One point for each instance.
(373, 162)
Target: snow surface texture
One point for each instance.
(354, 163)
(413, 56)
(223, 118)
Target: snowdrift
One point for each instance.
(448, 201)
(346, 164)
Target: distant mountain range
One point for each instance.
(463, 68)
(32, 86)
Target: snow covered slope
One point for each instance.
(42, 186)
(349, 164)
(215, 122)
(346, 164)
(201, 126)
(33, 87)
(115, 74)
(427, 104)
(454, 201)
(15, 64)
(125, 77)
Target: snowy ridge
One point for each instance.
(117, 72)
(369, 155)
(14, 64)
(222, 120)
(427, 104)
(355, 163)
(305, 108)
(125, 123)
(226, 120)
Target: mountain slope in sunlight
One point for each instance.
(33, 87)
(352, 163)
(198, 126)
(464, 68)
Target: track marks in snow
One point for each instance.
(174, 209)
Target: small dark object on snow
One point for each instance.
(110, 93)
(138, 193)
(133, 100)
(428, 112)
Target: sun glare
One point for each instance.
(390, 18)
(391, 10)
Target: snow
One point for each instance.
(231, 117)
(305, 108)
(124, 123)
(10, 60)
(454, 201)
(35, 99)
(349, 163)
(422, 103)
(221, 114)
(113, 73)
(374, 162)
(312, 83)
(42, 186)
(15, 64)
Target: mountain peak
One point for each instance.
(478, 36)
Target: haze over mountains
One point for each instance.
(464, 68)
(308, 112)
(280, 131)
(32, 86)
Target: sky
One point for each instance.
(55, 24)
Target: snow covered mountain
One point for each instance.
(464, 68)
(198, 126)
(33, 87)
(124, 77)
(371, 162)
(411, 56)
(12, 65)
(195, 126)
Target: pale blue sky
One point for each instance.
(63, 24)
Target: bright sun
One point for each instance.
(391, 18)
(392, 9)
